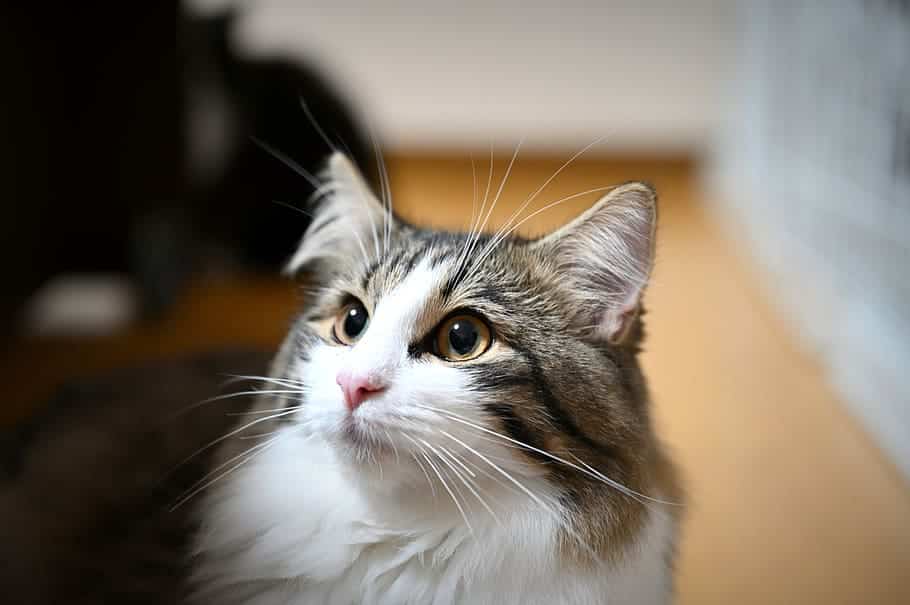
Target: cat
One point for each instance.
(453, 418)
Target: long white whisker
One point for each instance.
(334, 148)
(537, 192)
(496, 479)
(312, 180)
(211, 482)
(599, 476)
(230, 461)
(470, 473)
(251, 393)
(474, 231)
(445, 485)
(234, 432)
(273, 379)
(290, 163)
(385, 192)
(388, 194)
(392, 443)
(259, 412)
(467, 482)
(425, 474)
(486, 218)
(363, 251)
(309, 114)
(512, 229)
(473, 192)
(496, 467)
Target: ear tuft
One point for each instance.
(346, 221)
(606, 256)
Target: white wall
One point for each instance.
(434, 74)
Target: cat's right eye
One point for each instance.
(351, 323)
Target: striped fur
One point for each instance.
(530, 474)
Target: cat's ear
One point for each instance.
(346, 221)
(605, 257)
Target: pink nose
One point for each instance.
(357, 387)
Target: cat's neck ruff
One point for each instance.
(295, 526)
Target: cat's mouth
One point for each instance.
(365, 435)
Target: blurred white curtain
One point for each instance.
(814, 166)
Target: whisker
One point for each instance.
(392, 443)
(293, 207)
(501, 471)
(273, 379)
(232, 433)
(251, 393)
(227, 463)
(289, 162)
(512, 229)
(502, 184)
(425, 473)
(258, 412)
(445, 485)
(314, 182)
(467, 482)
(537, 192)
(385, 192)
(597, 475)
(211, 482)
(309, 114)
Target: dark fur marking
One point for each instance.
(489, 377)
(374, 266)
(453, 282)
(517, 430)
(563, 421)
(495, 297)
(422, 252)
(440, 257)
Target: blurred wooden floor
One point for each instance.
(790, 500)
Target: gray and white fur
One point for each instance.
(399, 465)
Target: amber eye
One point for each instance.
(462, 337)
(351, 323)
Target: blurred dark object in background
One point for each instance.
(95, 473)
(126, 148)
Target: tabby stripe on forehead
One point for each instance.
(462, 273)
(416, 257)
(369, 274)
(452, 283)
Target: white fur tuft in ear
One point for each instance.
(606, 255)
(348, 221)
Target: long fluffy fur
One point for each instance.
(528, 475)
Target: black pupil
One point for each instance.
(355, 321)
(463, 337)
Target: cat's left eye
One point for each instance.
(462, 337)
(351, 323)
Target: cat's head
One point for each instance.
(433, 353)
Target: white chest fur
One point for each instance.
(290, 527)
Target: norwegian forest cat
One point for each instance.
(452, 418)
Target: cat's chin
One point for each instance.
(363, 442)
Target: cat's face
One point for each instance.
(426, 353)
